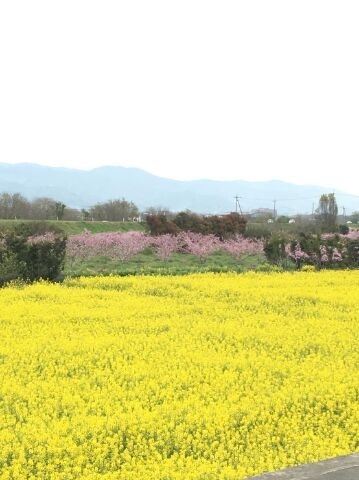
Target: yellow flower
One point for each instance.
(217, 376)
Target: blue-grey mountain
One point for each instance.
(84, 188)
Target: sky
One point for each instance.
(185, 89)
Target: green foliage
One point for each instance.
(60, 210)
(274, 249)
(343, 229)
(227, 226)
(30, 252)
(27, 229)
(327, 250)
(267, 267)
(327, 212)
(73, 227)
(258, 230)
(10, 267)
(352, 254)
(192, 222)
(147, 262)
(283, 219)
(223, 226)
(310, 243)
(354, 217)
(158, 224)
(45, 259)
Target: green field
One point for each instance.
(148, 263)
(72, 227)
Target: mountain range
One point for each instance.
(84, 188)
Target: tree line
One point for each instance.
(159, 220)
(222, 226)
(16, 206)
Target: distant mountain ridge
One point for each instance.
(84, 188)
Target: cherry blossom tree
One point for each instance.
(240, 246)
(165, 245)
(297, 255)
(124, 246)
(199, 245)
(114, 245)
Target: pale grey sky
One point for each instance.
(187, 89)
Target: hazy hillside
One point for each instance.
(81, 189)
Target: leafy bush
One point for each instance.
(160, 225)
(328, 250)
(274, 249)
(10, 267)
(352, 253)
(343, 229)
(29, 253)
(45, 256)
(224, 226)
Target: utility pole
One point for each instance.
(238, 206)
(274, 210)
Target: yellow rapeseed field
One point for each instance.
(198, 377)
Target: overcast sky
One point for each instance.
(187, 89)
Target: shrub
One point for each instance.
(328, 250)
(274, 249)
(222, 226)
(29, 253)
(352, 253)
(308, 268)
(160, 225)
(227, 226)
(10, 267)
(343, 229)
(45, 256)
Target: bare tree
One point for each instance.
(14, 205)
(114, 211)
(43, 208)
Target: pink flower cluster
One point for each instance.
(47, 237)
(336, 256)
(323, 254)
(123, 246)
(198, 244)
(353, 234)
(240, 246)
(297, 254)
(115, 245)
(165, 245)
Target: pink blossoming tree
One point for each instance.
(198, 244)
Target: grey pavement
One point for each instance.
(345, 467)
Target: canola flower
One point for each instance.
(199, 377)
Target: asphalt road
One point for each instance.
(340, 468)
